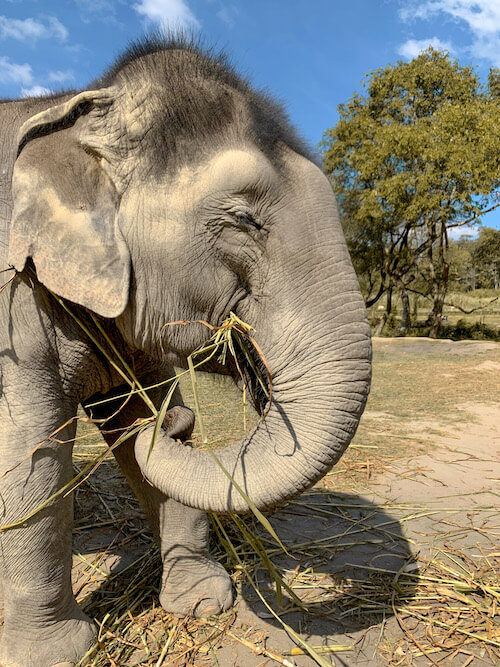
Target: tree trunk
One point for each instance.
(406, 319)
(435, 318)
(385, 316)
(436, 315)
(439, 280)
(415, 307)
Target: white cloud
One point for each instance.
(228, 16)
(35, 91)
(169, 13)
(481, 17)
(58, 76)
(101, 10)
(32, 29)
(412, 47)
(14, 73)
(467, 230)
(97, 6)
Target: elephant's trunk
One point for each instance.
(291, 449)
(312, 328)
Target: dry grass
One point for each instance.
(445, 604)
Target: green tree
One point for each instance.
(463, 272)
(486, 257)
(494, 83)
(413, 156)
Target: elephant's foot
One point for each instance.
(60, 645)
(194, 585)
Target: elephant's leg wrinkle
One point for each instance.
(193, 583)
(43, 624)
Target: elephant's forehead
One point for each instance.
(226, 171)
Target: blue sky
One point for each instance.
(311, 54)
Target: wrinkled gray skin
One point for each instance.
(115, 231)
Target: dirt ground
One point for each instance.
(395, 555)
(441, 504)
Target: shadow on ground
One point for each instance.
(345, 553)
(337, 546)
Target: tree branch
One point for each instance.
(476, 216)
(454, 305)
(374, 299)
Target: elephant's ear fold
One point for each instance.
(66, 206)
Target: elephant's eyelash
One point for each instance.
(246, 219)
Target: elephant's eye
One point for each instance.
(246, 220)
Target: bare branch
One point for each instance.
(373, 300)
(454, 305)
(473, 310)
(476, 216)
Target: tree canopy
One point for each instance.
(416, 154)
(475, 262)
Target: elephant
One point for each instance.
(168, 190)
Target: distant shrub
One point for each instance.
(463, 330)
(391, 325)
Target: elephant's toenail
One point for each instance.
(209, 610)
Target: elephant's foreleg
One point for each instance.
(42, 622)
(193, 583)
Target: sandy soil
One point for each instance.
(445, 491)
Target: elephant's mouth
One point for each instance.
(249, 371)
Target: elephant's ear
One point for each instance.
(66, 206)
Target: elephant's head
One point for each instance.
(176, 168)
